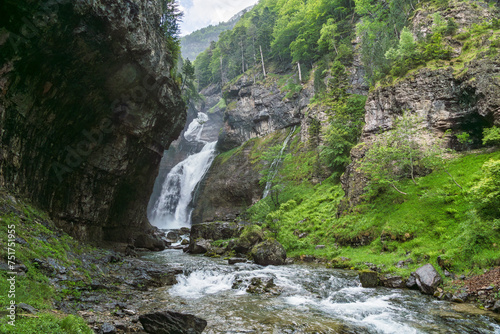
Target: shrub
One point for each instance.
(486, 192)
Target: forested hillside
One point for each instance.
(396, 155)
(196, 42)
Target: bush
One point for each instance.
(491, 136)
(486, 193)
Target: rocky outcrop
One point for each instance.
(87, 107)
(168, 322)
(255, 110)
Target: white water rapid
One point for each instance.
(307, 299)
(273, 169)
(172, 209)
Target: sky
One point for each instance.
(201, 13)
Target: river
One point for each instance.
(314, 299)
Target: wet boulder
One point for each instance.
(411, 282)
(391, 281)
(269, 252)
(149, 241)
(428, 279)
(250, 237)
(368, 278)
(262, 285)
(199, 246)
(496, 307)
(235, 260)
(168, 322)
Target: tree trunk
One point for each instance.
(399, 191)
(221, 75)
(242, 58)
(300, 72)
(262, 58)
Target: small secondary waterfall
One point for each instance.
(275, 164)
(172, 209)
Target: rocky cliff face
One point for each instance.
(462, 95)
(255, 110)
(87, 107)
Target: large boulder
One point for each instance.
(168, 322)
(149, 241)
(199, 246)
(428, 279)
(269, 252)
(368, 278)
(215, 231)
(391, 281)
(250, 237)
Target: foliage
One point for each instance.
(491, 136)
(287, 31)
(42, 241)
(397, 154)
(194, 43)
(169, 23)
(486, 192)
(434, 219)
(343, 131)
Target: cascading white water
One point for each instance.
(273, 169)
(172, 209)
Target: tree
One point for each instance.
(396, 153)
(188, 72)
(486, 192)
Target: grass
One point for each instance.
(42, 241)
(436, 218)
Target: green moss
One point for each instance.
(45, 242)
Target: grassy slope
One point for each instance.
(436, 218)
(43, 241)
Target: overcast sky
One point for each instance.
(202, 13)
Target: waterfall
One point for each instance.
(172, 208)
(273, 169)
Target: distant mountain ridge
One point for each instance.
(196, 42)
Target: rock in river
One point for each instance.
(428, 279)
(269, 252)
(168, 322)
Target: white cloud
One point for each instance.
(201, 13)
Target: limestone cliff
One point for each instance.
(257, 109)
(87, 107)
(462, 95)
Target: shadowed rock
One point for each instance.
(168, 322)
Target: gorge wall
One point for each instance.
(87, 107)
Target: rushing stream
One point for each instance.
(313, 300)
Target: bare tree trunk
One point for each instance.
(300, 72)
(399, 191)
(242, 58)
(453, 179)
(262, 58)
(221, 75)
(254, 54)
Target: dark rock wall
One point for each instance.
(87, 107)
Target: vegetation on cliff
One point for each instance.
(440, 204)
